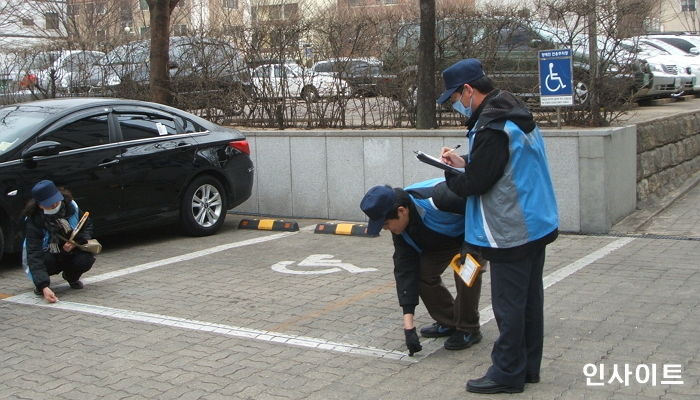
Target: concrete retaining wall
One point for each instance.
(668, 153)
(324, 174)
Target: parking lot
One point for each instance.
(253, 314)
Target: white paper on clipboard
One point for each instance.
(428, 159)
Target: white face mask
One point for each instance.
(54, 210)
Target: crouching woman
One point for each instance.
(50, 218)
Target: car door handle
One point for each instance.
(107, 163)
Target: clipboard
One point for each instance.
(430, 160)
(468, 271)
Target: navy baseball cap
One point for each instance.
(459, 73)
(46, 193)
(377, 203)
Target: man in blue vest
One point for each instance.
(511, 215)
(427, 225)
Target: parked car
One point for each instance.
(130, 163)
(365, 76)
(70, 73)
(669, 75)
(689, 44)
(290, 80)
(508, 49)
(689, 60)
(204, 72)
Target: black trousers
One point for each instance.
(461, 312)
(72, 264)
(517, 296)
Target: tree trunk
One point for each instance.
(160, 11)
(425, 104)
(594, 86)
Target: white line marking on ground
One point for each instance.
(184, 257)
(429, 346)
(226, 330)
(486, 314)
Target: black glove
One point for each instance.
(412, 342)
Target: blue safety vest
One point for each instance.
(443, 222)
(521, 206)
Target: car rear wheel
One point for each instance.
(203, 208)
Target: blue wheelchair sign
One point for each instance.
(556, 77)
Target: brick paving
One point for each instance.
(635, 306)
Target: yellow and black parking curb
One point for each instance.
(343, 229)
(269, 225)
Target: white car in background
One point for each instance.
(58, 72)
(689, 59)
(71, 71)
(291, 80)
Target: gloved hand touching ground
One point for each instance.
(412, 342)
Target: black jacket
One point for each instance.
(34, 247)
(407, 258)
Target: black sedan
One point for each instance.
(129, 163)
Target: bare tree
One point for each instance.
(160, 11)
(425, 117)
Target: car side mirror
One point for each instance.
(694, 51)
(45, 148)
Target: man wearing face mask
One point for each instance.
(511, 215)
(50, 217)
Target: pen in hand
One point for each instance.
(445, 150)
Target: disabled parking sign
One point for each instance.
(556, 78)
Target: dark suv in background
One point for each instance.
(508, 50)
(365, 76)
(204, 73)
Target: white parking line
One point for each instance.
(184, 257)
(429, 347)
(220, 329)
(486, 314)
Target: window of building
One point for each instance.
(145, 31)
(73, 9)
(180, 30)
(390, 2)
(52, 21)
(230, 3)
(687, 5)
(100, 8)
(143, 5)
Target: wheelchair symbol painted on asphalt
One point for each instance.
(315, 261)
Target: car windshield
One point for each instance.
(17, 123)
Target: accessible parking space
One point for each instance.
(257, 314)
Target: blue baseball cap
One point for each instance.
(377, 203)
(46, 193)
(459, 73)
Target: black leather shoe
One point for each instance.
(436, 330)
(532, 378)
(462, 340)
(487, 386)
(38, 292)
(76, 285)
